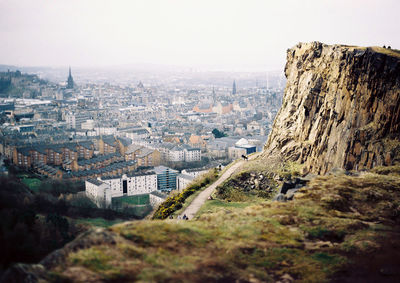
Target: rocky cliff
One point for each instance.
(341, 108)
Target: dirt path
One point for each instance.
(195, 205)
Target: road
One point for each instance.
(195, 205)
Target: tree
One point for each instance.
(218, 134)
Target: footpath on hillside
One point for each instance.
(195, 205)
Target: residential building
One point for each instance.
(135, 183)
(183, 181)
(99, 192)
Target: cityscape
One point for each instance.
(199, 141)
(173, 123)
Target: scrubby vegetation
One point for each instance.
(245, 185)
(175, 201)
(255, 180)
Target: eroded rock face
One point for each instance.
(341, 108)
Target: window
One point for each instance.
(124, 187)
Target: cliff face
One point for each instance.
(341, 108)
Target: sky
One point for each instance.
(246, 34)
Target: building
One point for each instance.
(107, 145)
(192, 154)
(242, 147)
(132, 151)
(236, 152)
(102, 190)
(99, 192)
(148, 157)
(71, 120)
(195, 172)
(135, 183)
(88, 125)
(166, 178)
(176, 154)
(183, 180)
(70, 81)
(184, 153)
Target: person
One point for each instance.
(184, 217)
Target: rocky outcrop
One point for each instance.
(341, 108)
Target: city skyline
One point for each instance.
(229, 35)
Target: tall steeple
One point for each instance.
(70, 81)
(214, 96)
(234, 87)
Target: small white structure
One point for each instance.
(88, 125)
(71, 120)
(99, 192)
(183, 181)
(195, 172)
(236, 152)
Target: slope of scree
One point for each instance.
(341, 108)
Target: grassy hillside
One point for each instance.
(329, 232)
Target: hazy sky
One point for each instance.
(236, 34)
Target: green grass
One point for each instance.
(32, 183)
(134, 200)
(216, 205)
(99, 222)
(387, 51)
(256, 240)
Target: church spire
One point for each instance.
(234, 87)
(70, 81)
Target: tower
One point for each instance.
(70, 81)
(234, 87)
(214, 96)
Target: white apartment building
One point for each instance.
(182, 181)
(192, 154)
(99, 192)
(176, 154)
(184, 153)
(71, 120)
(132, 184)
